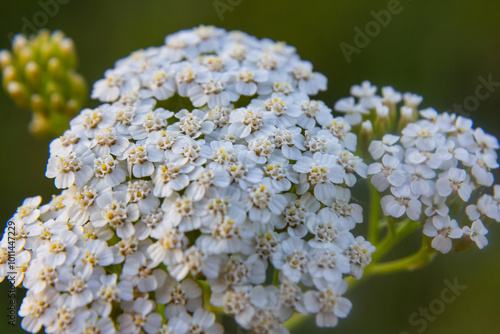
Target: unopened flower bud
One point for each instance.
(39, 125)
(9, 75)
(45, 64)
(406, 117)
(33, 74)
(18, 42)
(25, 55)
(68, 53)
(51, 87)
(47, 51)
(78, 87)
(55, 68)
(382, 120)
(18, 93)
(72, 107)
(57, 103)
(43, 36)
(365, 136)
(5, 59)
(38, 105)
(390, 99)
(57, 36)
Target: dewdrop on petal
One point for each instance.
(207, 168)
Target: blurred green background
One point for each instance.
(437, 49)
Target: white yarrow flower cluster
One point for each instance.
(208, 162)
(435, 170)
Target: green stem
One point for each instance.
(404, 229)
(296, 320)
(160, 309)
(207, 293)
(415, 261)
(391, 226)
(412, 262)
(374, 223)
(276, 277)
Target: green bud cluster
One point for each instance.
(39, 75)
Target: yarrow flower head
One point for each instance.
(209, 180)
(208, 168)
(429, 167)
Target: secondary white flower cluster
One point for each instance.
(244, 206)
(433, 170)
